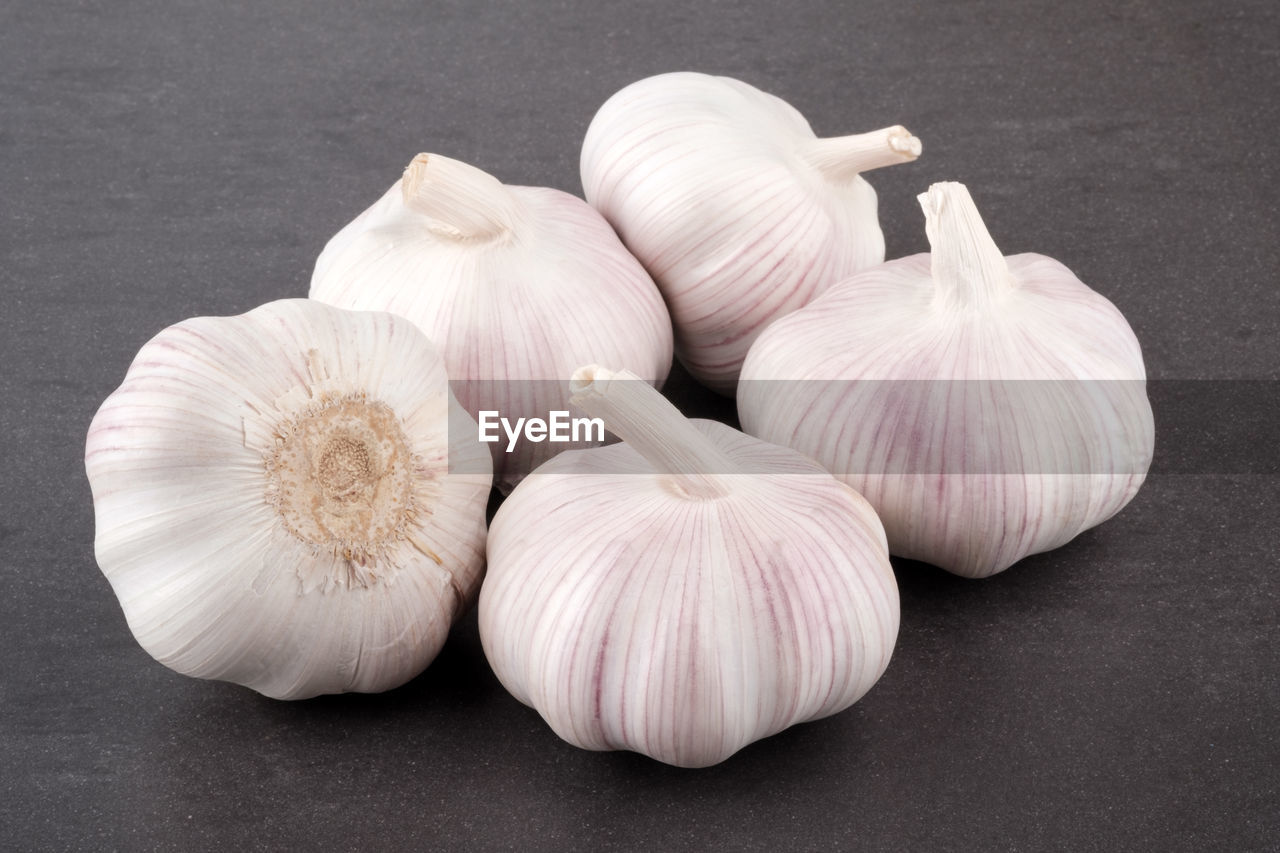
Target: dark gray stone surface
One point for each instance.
(168, 159)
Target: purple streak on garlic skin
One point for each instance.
(687, 591)
(512, 283)
(1010, 366)
(738, 211)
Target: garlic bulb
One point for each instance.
(735, 208)
(987, 407)
(686, 592)
(516, 285)
(274, 501)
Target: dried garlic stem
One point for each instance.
(637, 413)
(462, 201)
(968, 268)
(841, 158)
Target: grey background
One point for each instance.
(169, 159)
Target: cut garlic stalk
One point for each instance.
(735, 208)
(987, 407)
(274, 500)
(685, 592)
(514, 284)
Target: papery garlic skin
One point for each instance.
(516, 285)
(648, 600)
(274, 503)
(905, 378)
(738, 211)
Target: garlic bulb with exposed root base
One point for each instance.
(686, 592)
(987, 407)
(517, 286)
(738, 211)
(274, 502)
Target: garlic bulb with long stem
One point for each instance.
(274, 500)
(516, 285)
(685, 592)
(987, 407)
(738, 211)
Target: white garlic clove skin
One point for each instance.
(274, 504)
(642, 597)
(738, 211)
(517, 286)
(988, 407)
